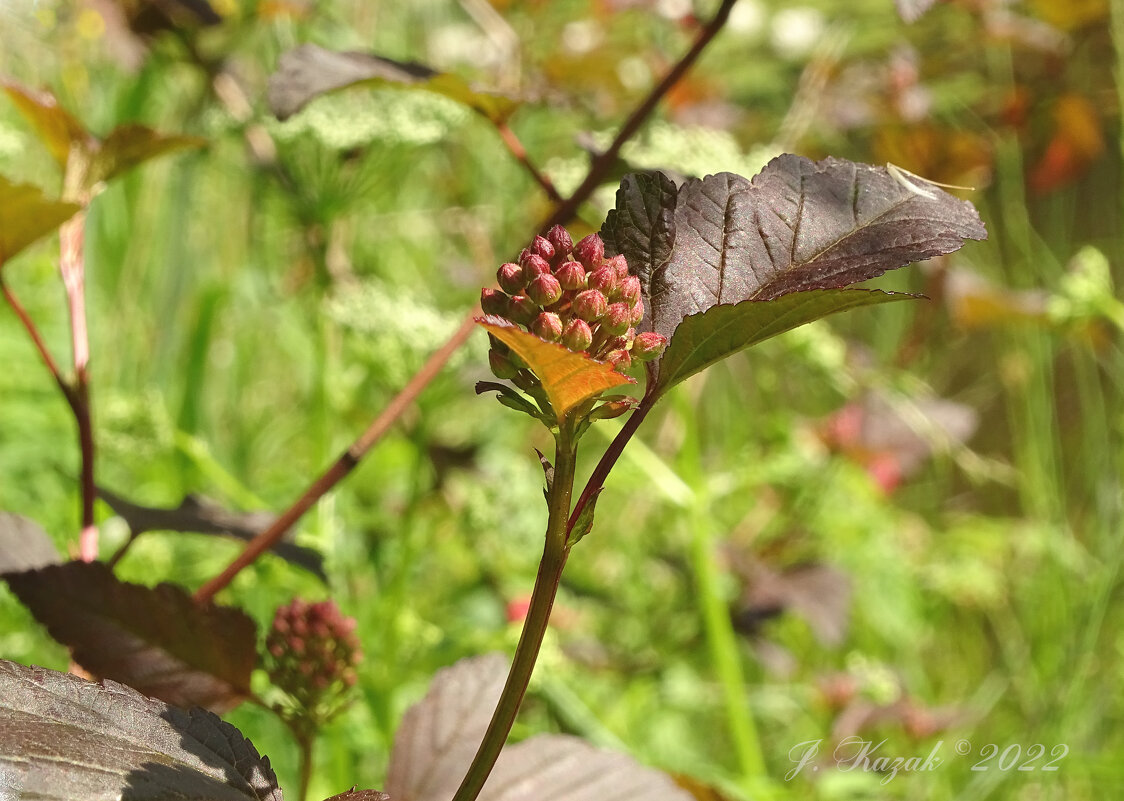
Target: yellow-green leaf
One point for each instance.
(568, 378)
(57, 128)
(26, 215)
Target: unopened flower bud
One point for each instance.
(570, 275)
(648, 346)
(590, 251)
(545, 290)
(521, 310)
(548, 326)
(560, 238)
(534, 266)
(577, 336)
(540, 246)
(492, 301)
(637, 312)
(590, 305)
(603, 279)
(616, 319)
(619, 359)
(619, 265)
(629, 289)
(510, 278)
(501, 365)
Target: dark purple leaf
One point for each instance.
(439, 735)
(360, 795)
(63, 738)
(155, 639)
(703, 339)
(554, 767)
(798, 226)
(203, 516)
(24, 545)
(310, 71)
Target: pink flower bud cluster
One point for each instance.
(312, 653)
(571, 294)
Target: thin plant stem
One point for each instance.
(604, 162)
(346, 462)
(37, 340)
(72, 268)
(553, 561)
(515, 147)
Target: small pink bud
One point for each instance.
(577, 336)
(637, 312)
(510, 278)
(492, 301)
(604, 280)
(540, 246)
(620, 265)
(522, 310)
(590, 251)
(590, 305)
(648, 346)
(570, 275)
(545, 290)
(547, 326)
(629, 289)
(533, 267)
(560, 238)
(619, 359)
(616, 319)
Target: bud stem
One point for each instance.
(538, 614)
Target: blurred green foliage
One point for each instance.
(254, 304)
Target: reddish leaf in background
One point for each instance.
(892, 440)
(1077, 142)
(157, 640)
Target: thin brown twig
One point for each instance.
(343, 465)
(604, 162)
(515, 147)
(37, 340)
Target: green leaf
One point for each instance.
(708, 337)
(63, 738)
(56, 127)
(567, 377)
(155, 639)
(130, 145)
(26, 215)
(584, 524)
(310, 71)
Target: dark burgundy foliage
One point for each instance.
(155, 639)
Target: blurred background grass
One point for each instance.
(904, 523)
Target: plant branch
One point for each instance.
(72, 267)
(601, 165)
(346, 462)
(515, 147)
(609, 458)
(37, 339)
(538, 615)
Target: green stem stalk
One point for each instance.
(538, 615)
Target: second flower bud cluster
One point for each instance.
(571, 294)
